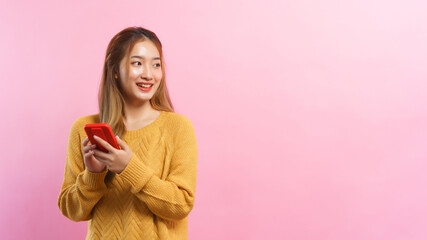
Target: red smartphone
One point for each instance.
(102, 130)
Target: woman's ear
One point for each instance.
(115, 76)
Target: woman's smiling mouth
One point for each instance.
(144, 87)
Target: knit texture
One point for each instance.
(151, 198)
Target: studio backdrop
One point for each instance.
(310, 116)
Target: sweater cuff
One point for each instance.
(92, 179)
(136, 173)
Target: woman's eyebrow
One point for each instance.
(156, 58)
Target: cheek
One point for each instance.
(123, 83)
(123, 74)
(135, 71)
(158, 76)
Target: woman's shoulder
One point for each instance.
(177, 123)
(177, 119)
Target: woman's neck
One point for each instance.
(136, 113)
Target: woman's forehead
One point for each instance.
(144, 49)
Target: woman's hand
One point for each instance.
(116, 160)
(92, 164)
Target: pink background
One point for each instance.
(310, 115)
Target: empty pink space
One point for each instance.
(310, 116)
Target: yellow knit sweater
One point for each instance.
(151, 198)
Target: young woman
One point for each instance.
(146, 189)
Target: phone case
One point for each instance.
(102, 130)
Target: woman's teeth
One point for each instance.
(144, 86)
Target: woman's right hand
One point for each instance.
(92, 164)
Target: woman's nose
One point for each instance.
(146, 72)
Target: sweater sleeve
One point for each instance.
(81, 189)
(172, 198)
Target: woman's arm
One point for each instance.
(172, 198)
(81, 189)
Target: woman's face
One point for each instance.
(144, 68)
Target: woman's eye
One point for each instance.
(139, 63)
(157, 65)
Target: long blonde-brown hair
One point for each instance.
(110, 96)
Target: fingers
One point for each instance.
(105, 144)
(85, 141)
(88, 154)
(100, 159)
(91, 155)
(101, 154)
(89, 147)
(121, 143)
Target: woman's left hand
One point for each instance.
(116, 160)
